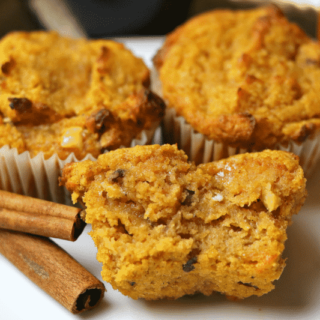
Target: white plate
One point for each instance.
(296, 296)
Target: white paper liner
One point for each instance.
(37, 177)
(202, 150)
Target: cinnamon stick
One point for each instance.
(40, 217)
(53, 270)
(318, 26)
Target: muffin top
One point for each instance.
(247, 78)
(73, 95)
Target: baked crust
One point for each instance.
(224, 63)
(165, 228)
(50, 84)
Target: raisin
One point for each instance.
(7, 67)
(116, 175)
(188, 200)
(98, 121)
(20, 104)
(100, 118)
(189, 265)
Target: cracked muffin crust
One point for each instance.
(165, 228)
(61, 95)
(249, 79)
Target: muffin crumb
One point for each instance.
(172, 228)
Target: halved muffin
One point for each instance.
(165, 228)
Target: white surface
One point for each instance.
(308, 2)
(296, 296)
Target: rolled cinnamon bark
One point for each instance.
(53, 270)
(40, 217)
(318, 25)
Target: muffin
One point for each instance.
(241, 81)
(72, 98)
(165, 227)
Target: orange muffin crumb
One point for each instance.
(165, 228)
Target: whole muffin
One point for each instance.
(246, 80)
(165, 228)
(65, 100)
(64, 96)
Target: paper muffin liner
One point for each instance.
(38, 177)
(202, 150)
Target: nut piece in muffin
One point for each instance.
(64, 95)
(165, 228)
(249, 79)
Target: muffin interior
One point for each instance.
(165, 228)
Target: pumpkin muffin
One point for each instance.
(65, 100)
(165, 228)
(245, 80)
(64, 96)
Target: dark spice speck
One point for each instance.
(248, 285)
(189, 265)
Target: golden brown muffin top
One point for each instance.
(247, 78)
(165, 169)
(165, 227)
(49, 83)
